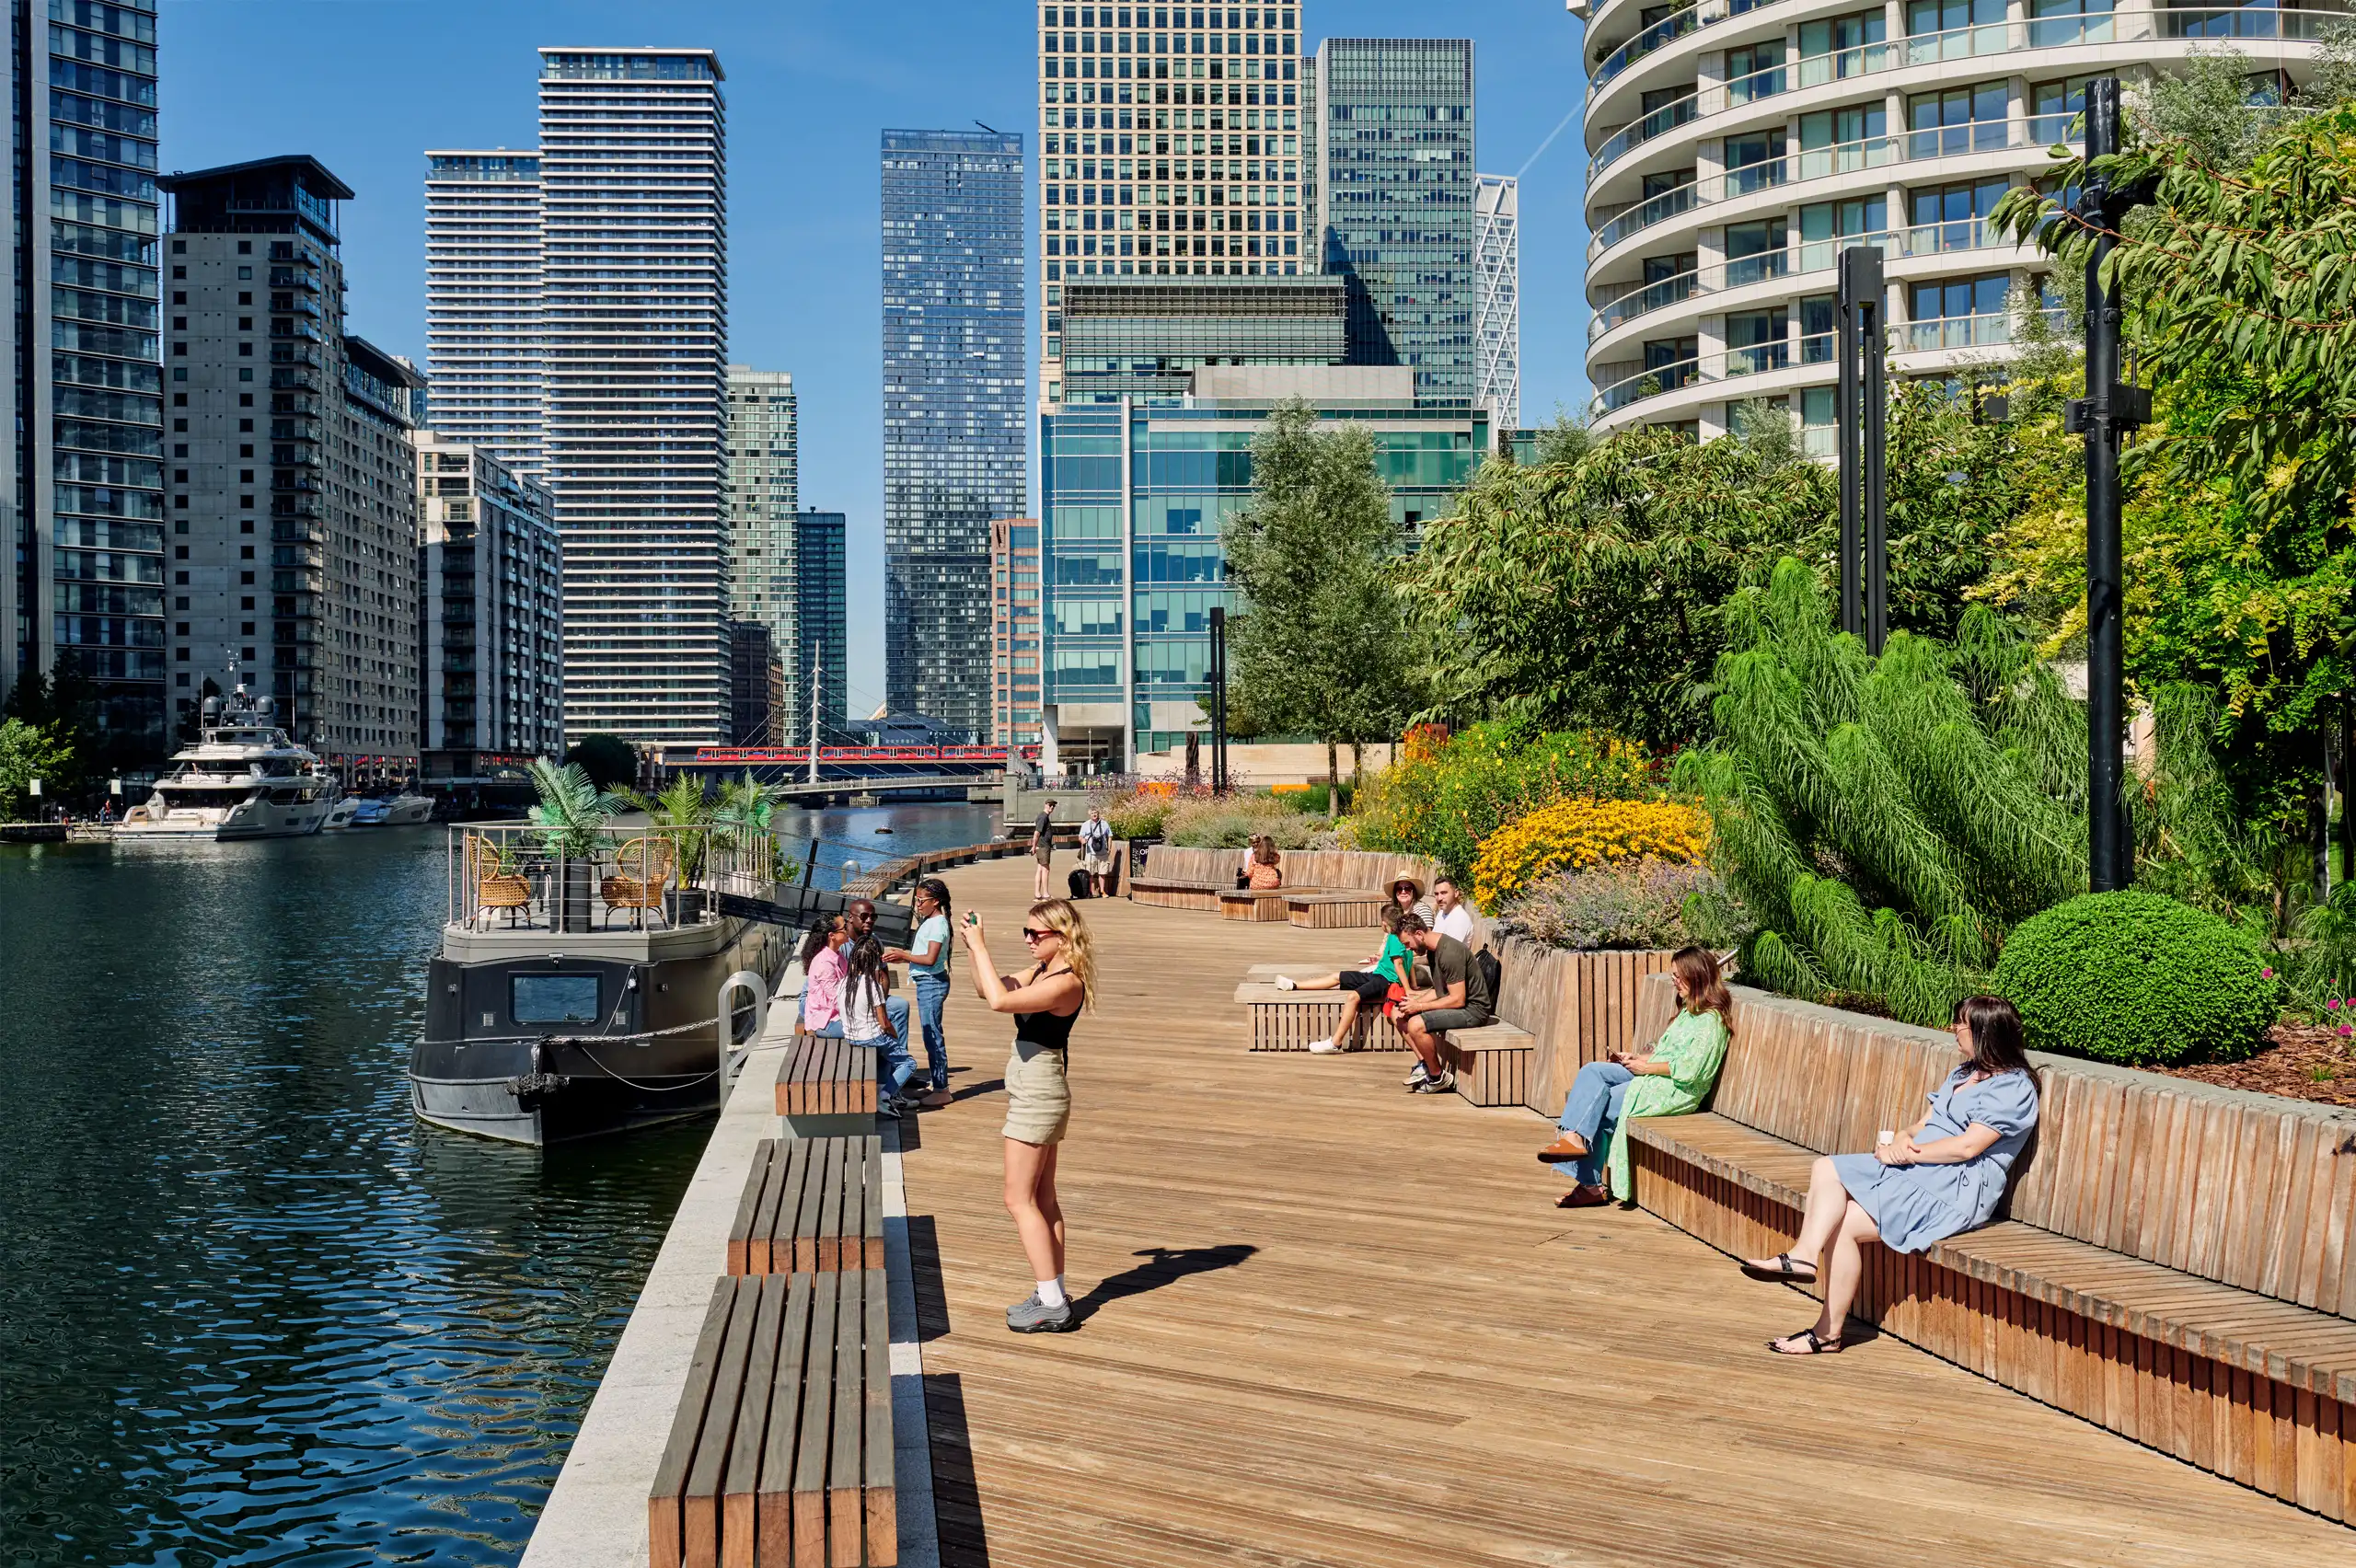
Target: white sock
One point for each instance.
(1051, 1292)
(1285, 983)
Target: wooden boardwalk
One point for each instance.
(1329, 1323)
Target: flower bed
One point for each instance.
(1572, 834)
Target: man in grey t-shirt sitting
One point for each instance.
(1459, 999)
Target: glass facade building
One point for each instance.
(822, 623)
(1171, 144)
(482, 302)
(763, 498)
(1395, 202)
(634, 302)
(954, 409)
(1496, 256)
(1136, 495)
(1014, 602)
(1146, 337)
(85, 569)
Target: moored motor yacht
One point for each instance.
(243, 778)
(340, 816)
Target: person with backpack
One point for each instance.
(1096, 850)
(1462, 995)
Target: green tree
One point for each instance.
(610, 762)
(1321, 647)
(28, 752)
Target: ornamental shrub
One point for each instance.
(1571, 835)
(1228, 821)
(1141, 813)
(2137, 977)
(1632, 905)
(1442, 798)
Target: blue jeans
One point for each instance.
(932, 997)
(898, 1066)
(1593, 1111)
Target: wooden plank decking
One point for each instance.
(1329, 1323)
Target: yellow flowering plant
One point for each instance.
(1573, 834)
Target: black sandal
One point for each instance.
(1784, 1271)
(1816, 1345)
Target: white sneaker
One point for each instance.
(1327, 1048)
(1285, 983)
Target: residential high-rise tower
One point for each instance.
(953, 408)
(821, 621)
(1496, 260)
(490, 627)
(762, 503)
(1394, 192)
(1170, 144)
(84, 573)
(634, 334)
(482, 302)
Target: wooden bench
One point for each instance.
(781, 1454)
(1294, 1020)
(1263, 904)
(1335, 911)
(827, 1087)
(1491, 1062)
(2174, 1267)
(1177, 892)
(811, 1206)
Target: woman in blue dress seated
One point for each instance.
(1942, 1176)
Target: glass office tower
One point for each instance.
(955, 385)
(1497, 251)
(1146, 337)
(1394, 190)
(85, 579)
(822, 621)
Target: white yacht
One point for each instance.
(244, 778)
(341, 815)
(390, 810)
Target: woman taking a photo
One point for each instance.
(1045, 1001)
(1915, 1190)
(928, 962)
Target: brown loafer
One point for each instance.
(1570, 1146)
(1584, 1197)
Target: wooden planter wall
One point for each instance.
(1581, 1005)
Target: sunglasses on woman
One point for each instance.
(1036, 934)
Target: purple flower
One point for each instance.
(2266, 974)
(2333, 1004)
(2346, 1030)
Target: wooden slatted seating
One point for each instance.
(1265, 905)
(1491, 1062)
(1334, 911)
(826, 1078)
(1294, 1020)
(1177, 877)
(780, 1453)
(1176, 893)
(811, 1206)
(2174, 1266)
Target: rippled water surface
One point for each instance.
(251, 1311)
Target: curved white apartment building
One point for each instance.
(1735, 147)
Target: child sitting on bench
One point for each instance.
(1383, 982)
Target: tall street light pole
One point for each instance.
(2104, 415)
(1862, 429)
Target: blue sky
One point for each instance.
(366, 86)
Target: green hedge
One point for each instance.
(2135, 977)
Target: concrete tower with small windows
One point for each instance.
(292, 486)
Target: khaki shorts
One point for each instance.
(1098, 865)
(1038, 1095)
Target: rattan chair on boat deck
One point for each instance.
(495, 887)
(641, 870)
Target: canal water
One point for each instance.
(251, 1311)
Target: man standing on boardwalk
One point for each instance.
(1043, 849)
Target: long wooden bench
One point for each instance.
(1294, 1020)
(2174, 1265)
(825, 1076)
(811, 1206)
(1183, 877)
(1177, 892)
(1335, 911)
(1267, 905)
(780, 1453)
(1492, 1063)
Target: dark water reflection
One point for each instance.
(250, 1311)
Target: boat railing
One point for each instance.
(619, 876)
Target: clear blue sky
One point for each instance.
(366, 86)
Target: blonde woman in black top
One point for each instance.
(1045, 1001)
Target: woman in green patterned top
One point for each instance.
(1671, 1078)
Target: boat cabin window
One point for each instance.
(552, 998)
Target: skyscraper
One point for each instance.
(1394, 187)
(634, 301)
(293, 484)
(482, 302)
(762, 501)
(492, 611)
(953, 408)
(821, 648)
(1170, 144)
(83, 572)
(1015, 607)
(1496, 256)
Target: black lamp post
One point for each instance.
(1219, 699)
(1864, 410)
(2104, 415)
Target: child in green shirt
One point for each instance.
(1382, 982)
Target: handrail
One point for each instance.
(1822, 163)
(1954, 43)
(1915, 337)
(1797, 260)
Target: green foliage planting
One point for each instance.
(1136, 814)
(28, 752)
(1442, 802)
(1230, 822)
(1634, 904)
(610, 762)
(2137, 977)
(572, 812)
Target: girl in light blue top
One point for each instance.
(927, 957)
(1942, 1176)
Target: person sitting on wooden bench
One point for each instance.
(1670, 1079)
(1459, 999)
(1912, 1190)
(1383, 982)
(1267, 872)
